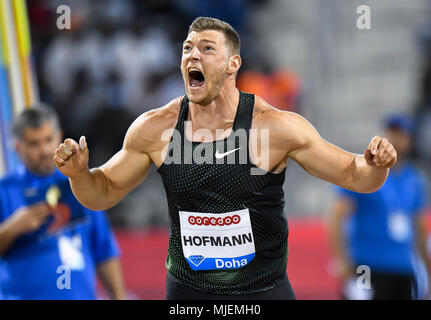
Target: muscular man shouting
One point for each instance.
(222, 156)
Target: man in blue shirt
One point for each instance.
(384, 230)
(50, 246)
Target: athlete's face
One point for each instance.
(37, 147)
(206, 63)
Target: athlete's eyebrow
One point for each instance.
(203, 40)
(210, 41)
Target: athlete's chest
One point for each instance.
(248, 138)
(237, 147)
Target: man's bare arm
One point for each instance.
(103, 187)
(421, 242)
(111, 276)
(22, 221)
(361, 173)
(8, 235)
(340, 210)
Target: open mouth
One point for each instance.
(196, 78)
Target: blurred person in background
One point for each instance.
(43, 227)
(423, 110)
(384, 230)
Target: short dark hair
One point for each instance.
(34, 117)
(207, 23)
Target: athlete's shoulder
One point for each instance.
(160, 118)
(150, 126)
(267, 116)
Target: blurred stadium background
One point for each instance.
(121, 58)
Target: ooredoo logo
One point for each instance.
(226, 221)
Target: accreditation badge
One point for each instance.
(217, 241)
(70, 251)
(399, 226)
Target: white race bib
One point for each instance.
(217, 241)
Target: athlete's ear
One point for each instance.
(234, 64)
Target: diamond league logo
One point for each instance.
(196, 259)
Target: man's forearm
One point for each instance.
(366, 178)
(421, 242)
(8, 235)
(336, 235)
(91, 189)
(111, 276)
(337, 241)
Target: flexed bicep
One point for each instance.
(319, 157)
(364, 173)
(128, 167)
(103, 187)
(124, 171)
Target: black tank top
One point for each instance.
(218, 188)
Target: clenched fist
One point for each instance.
(380, 153)
(71, 158)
